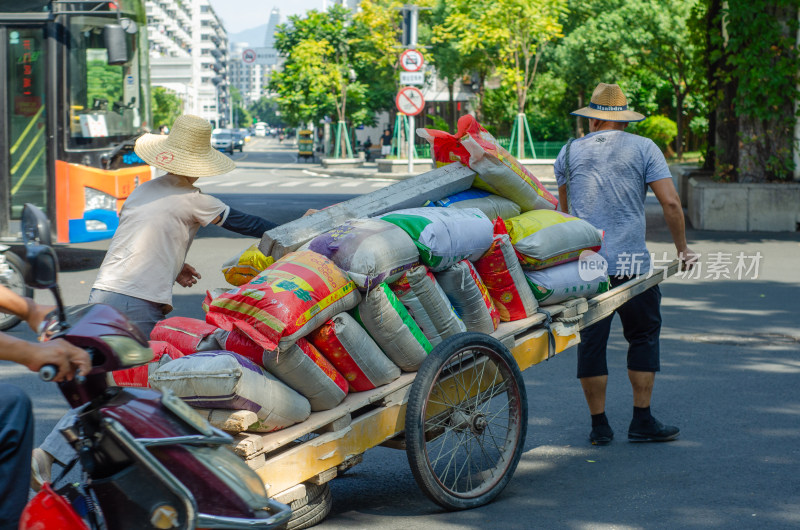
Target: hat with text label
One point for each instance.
(608, 104)
(186, 151)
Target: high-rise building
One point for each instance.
(251, 79)
(189, 55)
(272, 24)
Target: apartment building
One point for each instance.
(189, 55)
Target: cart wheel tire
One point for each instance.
(16, 282)
(466, 421)
(311, 509)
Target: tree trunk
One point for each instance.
(579, 121)
(711, 67)
(680, 97)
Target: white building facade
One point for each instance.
(189, 55)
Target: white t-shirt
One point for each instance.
(157, 225)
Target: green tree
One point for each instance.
(337, 64)
(266, 110)
(167, 106)
(241, 116)
(658, 31)
(753, 77)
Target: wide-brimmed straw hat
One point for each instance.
(186, 151)
(608, 104)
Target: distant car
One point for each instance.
(238, 140)
(261, 129)
(222, 140)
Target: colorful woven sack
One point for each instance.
(493, 206)
(502, 275)
(545, 238)
(287, 301)
(563, 282)
(246, 265)
(352, 351)
(138, 376)
(445, 236)
(392, 328)
(370, 251)
(188, 335)
(463, 286)
(427, 304)
(225, 380)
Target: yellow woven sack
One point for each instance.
(242, 268)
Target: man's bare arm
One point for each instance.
(670, 201)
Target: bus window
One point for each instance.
(105, 102)
(27, 145)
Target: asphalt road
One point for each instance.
(730, 377)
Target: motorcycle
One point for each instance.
(11, 267)
(148, 460)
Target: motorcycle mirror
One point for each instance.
(35, 226)
(42, 269)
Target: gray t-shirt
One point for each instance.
(609, 174)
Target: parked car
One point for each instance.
(222, 139)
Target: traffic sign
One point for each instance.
(412, 78)
(411, 60)
(410, 101)
(264, 56)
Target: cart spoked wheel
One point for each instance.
(11, 270)
(466, 421)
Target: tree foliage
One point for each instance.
(337, 64)
(167, 106)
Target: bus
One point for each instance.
(77, 96)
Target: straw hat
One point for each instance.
(186, 151)
(608, 104)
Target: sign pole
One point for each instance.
(412, 37)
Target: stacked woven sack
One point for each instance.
(355, 306)
(535, 245)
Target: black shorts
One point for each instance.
(641, 325)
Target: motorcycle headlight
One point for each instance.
(231, 470)
(128, 350)
(97, 200)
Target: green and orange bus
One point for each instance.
(77, 96)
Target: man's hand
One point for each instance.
(188, 276)
(310, 211)
(67, 358)
(37, 313)
(688, 258)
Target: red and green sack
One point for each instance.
(188, 335)
(354, 354)
(503, 277)
(498, 172)
(287, 301)
(545, 238)
(139, 376)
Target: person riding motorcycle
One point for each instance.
(16, 415)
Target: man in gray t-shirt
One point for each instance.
(604, 181)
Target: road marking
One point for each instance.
(260, 184)
(350, 184)
(228, 184)
(379, 184)
(289, 184)
(320, 184)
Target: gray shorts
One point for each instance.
(143, 313)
